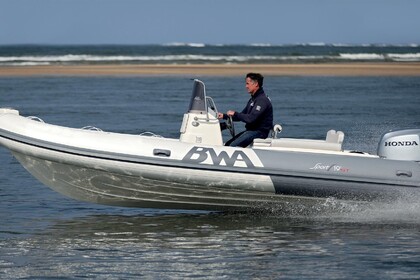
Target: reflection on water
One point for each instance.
(216, 245)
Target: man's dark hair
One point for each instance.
(256, 77)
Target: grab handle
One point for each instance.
(162, 153)
(404, 173)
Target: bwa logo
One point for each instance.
(209, 156)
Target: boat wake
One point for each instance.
(403, 210)
(398, 212)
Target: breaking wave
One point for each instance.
(201, 58)
(200, 53)
(381, 57)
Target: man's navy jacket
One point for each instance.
(258, 113)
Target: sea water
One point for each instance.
(46, 235)
(177, 53)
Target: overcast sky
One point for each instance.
(211, 21)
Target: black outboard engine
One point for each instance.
(400, 145)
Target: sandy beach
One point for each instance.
(327, 69)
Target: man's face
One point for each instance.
(251, 86)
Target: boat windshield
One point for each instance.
(198, 102)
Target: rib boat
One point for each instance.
(196, 171)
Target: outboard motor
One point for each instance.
(400, 145)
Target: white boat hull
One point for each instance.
(197, 172)
(126, 186)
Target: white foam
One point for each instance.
(361, 56)
(260, 45)
(405, 56)
(26, 63)
(404, 210)
(184, 57)
(317, 44)
(341, 45)
(187, 58)
(179, 44)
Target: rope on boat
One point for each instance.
(151, 134)
(92, 128)
(34, 118)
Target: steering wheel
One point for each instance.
(230, 126)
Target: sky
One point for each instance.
(209, 22)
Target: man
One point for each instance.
(257, 115)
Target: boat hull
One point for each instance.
(150, 172)
(147, 186)
(105, 187)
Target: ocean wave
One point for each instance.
(204, 58)
(313, 44)
(381, 57)
(317, 44)
(361, 56)
(95, 58)
(70, 58)
(405, 56)
(178, 44)
(27, 63)
(261, 45)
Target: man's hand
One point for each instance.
(230, 113)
